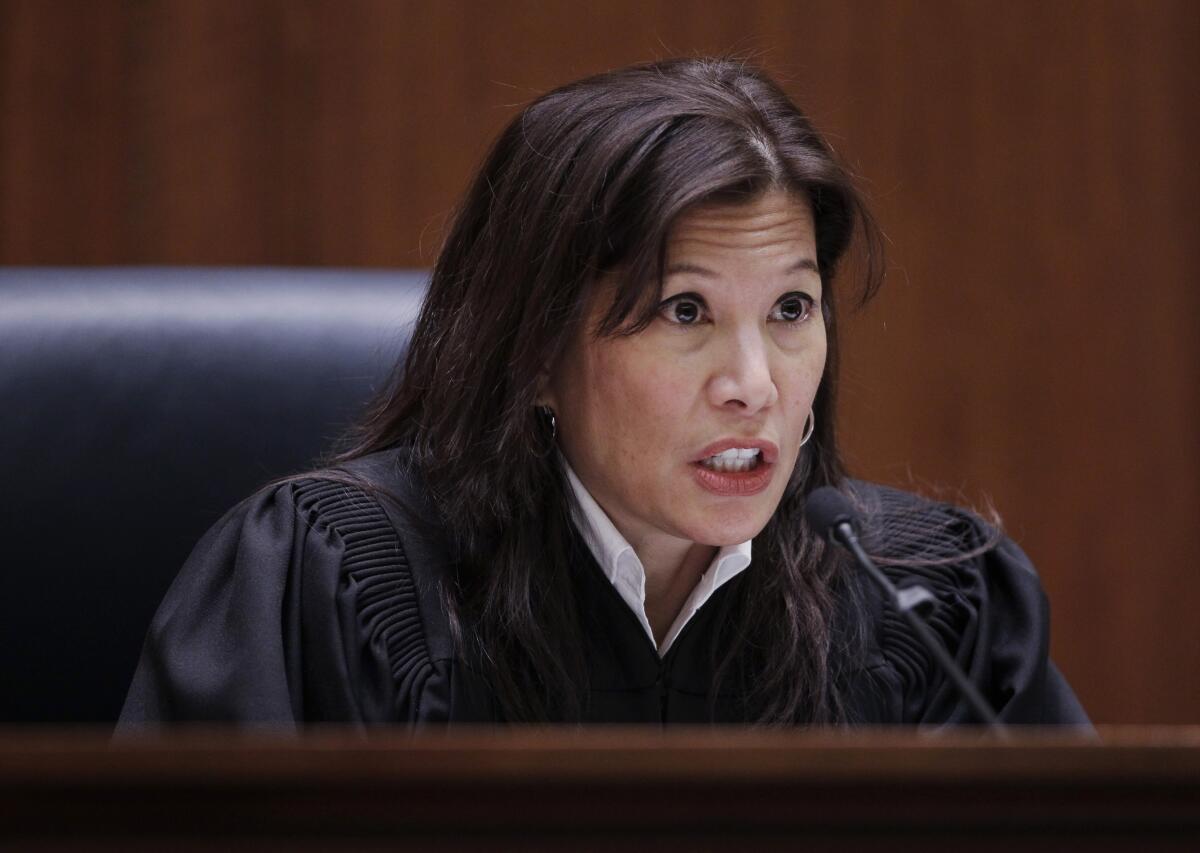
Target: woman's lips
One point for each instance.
(734, 483)
(767, 449)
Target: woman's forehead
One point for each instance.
(775, 227)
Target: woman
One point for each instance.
(582, 497)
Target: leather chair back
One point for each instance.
(137, 405)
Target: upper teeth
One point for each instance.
(735, 460)
(735, 453)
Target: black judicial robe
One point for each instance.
(313, 601)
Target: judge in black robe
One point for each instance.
(315, 601)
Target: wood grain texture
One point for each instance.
(1032, 164)
(539, 788)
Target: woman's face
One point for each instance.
(732, 360)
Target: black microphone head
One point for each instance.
(826, 508)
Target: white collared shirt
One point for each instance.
(627, 574)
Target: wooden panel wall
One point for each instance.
(1033, 164)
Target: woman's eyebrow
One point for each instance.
(678, 269)
(802, 265)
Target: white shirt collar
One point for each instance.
(625, 571)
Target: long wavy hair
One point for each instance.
(588, 179)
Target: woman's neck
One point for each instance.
(673, 568)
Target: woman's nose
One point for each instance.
(742, 379)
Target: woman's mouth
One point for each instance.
(734, 460)
(737, 472)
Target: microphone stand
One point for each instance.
(915, 604)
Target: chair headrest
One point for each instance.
(139, 404)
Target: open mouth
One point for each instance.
(736, 460)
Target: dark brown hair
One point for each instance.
(586, 180)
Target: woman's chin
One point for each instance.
(720, 529)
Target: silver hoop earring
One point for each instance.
(810, 423)
(548, 413)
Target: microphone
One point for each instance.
(832, 515)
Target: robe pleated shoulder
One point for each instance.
(992, 615)
(301, 605)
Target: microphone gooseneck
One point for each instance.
(830, 513)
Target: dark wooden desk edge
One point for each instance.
(526, 787)
(1149, 755)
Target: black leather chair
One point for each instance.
(138, 405)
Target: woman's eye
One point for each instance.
(793, 308)
(683, 312)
